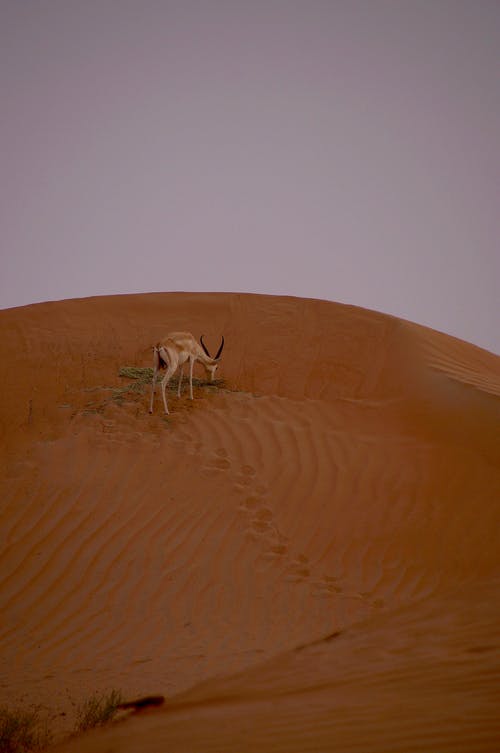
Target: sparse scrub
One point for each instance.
(22, 731)
(142, 378)
(97, 710)
(134, 372)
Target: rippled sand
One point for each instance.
(305, 559)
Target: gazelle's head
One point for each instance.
(213, 363)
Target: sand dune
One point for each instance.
(303, 559)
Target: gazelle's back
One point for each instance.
(179, 337)
(183, 341)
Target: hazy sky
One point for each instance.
(338, 149)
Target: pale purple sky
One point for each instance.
(337, 149)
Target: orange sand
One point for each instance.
(307, 560)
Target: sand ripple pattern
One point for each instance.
(309, 563)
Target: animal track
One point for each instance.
(264, 514)
(298, 567)
(250, 503)
(262, 518)
(260, 525)
(243, 481)
(221, 463)
(327, 586)
(279, 549)
(216, 461)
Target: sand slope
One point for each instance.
(304, 560)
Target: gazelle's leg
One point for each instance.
(170, 358)
(156, 364)
(180, 380)
(164, 383)
(191, 365)
(153, 386)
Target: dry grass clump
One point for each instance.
(142, 378)
(140, 375)
(27, 730)
(22, 731)
(97, 710)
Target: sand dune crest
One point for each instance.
(303, 559)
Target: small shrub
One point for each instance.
(134, 372)
(98, 709)
(142, 377)
(22, 731)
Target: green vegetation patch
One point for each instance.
(143, 377)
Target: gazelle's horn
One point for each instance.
(220, 349)
(204, 347)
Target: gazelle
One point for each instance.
(172, 353)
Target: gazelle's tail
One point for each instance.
(159, 360)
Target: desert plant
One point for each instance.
(134, 372)
(142, 377)
(22, 730)
(98, 709)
